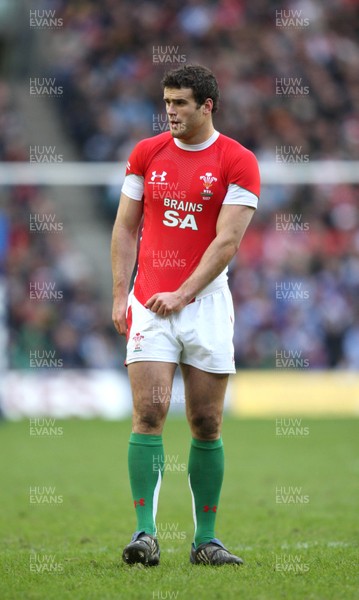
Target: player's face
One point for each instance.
(186, 120)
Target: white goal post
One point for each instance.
(112, 173)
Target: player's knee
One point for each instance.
(151, 421)
(205, 426)
(150, 418)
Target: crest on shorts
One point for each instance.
(137, 338)
(207, 181)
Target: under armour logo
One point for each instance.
(208, 508)
(161, 175)
(140, 502)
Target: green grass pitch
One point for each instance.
(289, 507)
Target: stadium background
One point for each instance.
(296, 351)
(78, 87)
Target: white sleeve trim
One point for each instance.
(238, 195)
(133, 186)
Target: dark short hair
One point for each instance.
(200, 79)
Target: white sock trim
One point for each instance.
(193, 506)
(156, 494)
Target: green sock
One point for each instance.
(145, 466)
(205, 476)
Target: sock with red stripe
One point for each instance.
(205, 476)
(145, 466)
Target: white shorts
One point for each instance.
(201, 334)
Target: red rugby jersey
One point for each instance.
(183, 195)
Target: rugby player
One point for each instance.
(193, 191)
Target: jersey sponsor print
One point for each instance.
(183, 195)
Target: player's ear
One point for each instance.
(207, 106)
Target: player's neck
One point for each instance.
(199, 136)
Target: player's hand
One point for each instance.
(166, 303)
(119, 316)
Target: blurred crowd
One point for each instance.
(55, 313)
(289, 83)
(295, 283)
(110, 56)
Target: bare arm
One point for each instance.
(232, 223)
(123, 256)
